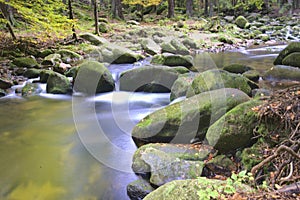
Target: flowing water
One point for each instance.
(59, 147)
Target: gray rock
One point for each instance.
(181, 85)
(282, 72)
(69, 55)
(5, 83)
(44, 75)
(148, 79)
(32, 73)
(93, 77)
(174, 60)
(150, 47)
(52, 59)
(138, 189)
(93, 39)
(58, 84)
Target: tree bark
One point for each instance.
(71, 16)
(171, 6)
(96, 17)
(6, 15)
(189, 8)
(206, 7)
(116, 7)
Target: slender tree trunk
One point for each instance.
(71, 16)
(211, 8)
(171, 6)
(96, 17)
(5, 13)
(189, 8)
(206, 7)
(116, 8)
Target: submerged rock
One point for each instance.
(31, 89)
(138, 189)
(58, 84)
(235, 129)
(93, 77)
(237, 68)
(180, 122)
(148, 79)
(282, 72)
(216, 79)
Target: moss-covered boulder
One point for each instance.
(27, 62)
(292, 59)
(32, 73)
(175, 47)
(5, 83)
(93, 39)
(93, 77)
(191, 189)
(235, 129)
(291, 48)
(148, 78)
(241, 21)
(58, 84)
(51, 59)
(44, 53)
(180, 151)
(182, 121)
(123, 55)
(237, 68)
(68, 55)
(31, 89)
(165, 168)
(216, 79)
(138, 189)
(282, 72)
(44, 75)
(181, 85)
(103, 27)
(174, 60)
(150, 47)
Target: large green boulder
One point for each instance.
(93, 77)
(282, 72)
(241, 22)
(216, 79)
(191, 189)
(148, 78)
(68, 55)
(150, 47)
(138, 189)
(175, 47)
(291, 48)
(58, 84)
(32, 73)
(188, 119)
(181, 85)
(25, 62)
(93, 39)
(174, 60)
(292, 59)
(44, 75)
(179, 151)
(123, 55)
(235, 129)
(52, 59)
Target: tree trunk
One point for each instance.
(96, 17)
(206, 7)
(189, 8)
(71, 16)
(116, 8)
(211, 8)
(171, 6)
(5, 13)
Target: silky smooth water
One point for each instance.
(63, 147)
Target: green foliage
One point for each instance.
(144, 3)
(45, 17)
(249, 4)
(217, 191)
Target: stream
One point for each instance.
(63, 147)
